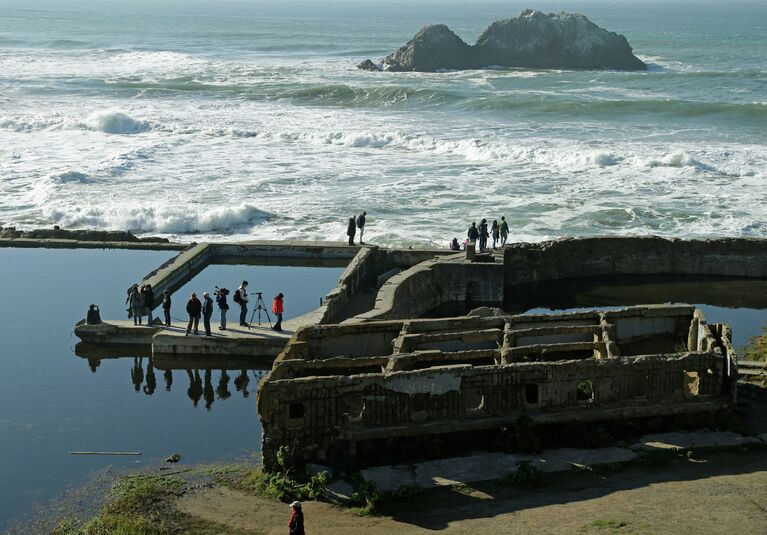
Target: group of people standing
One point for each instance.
(498, 231)
(141, 302)
(354, 225)
(196, 308)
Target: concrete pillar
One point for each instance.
(471, 251)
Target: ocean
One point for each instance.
(210, 119)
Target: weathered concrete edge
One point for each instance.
(495, 466)
(50, 243)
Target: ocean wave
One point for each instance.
(163, 219)
(679, 159)
(116, 122)
(346, 95)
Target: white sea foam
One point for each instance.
(116, 122)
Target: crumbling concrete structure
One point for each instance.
(348, 393)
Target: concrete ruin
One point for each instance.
(352, 393)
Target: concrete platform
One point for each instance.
(258, 341)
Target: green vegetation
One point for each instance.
(756, 349)
(136, 505)
(527, 475)
(282, 485)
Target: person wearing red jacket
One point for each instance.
(277, 308)
(296, 522)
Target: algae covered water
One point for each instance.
(249, 119)
(56, 398)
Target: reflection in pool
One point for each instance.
(51, 401)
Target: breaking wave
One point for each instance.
(116, 122)
(160, 218)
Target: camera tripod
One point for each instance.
(259, 306)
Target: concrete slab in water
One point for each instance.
(697, 440)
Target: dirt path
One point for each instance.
(717, 493)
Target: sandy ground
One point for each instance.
(722, 492)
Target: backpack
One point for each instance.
(237, 298)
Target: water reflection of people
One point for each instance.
(223, 386)
(168, 375)
(137, 373)
(241, 383)
(93, 363)
(195, 386)
(207, 390)
(151, 380)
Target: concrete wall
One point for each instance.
(595, 257)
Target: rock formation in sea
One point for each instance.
(532, 40)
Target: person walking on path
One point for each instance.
(166, 302)
(361, 225)
(223, 306)
(473, 234)
(483, 235)
(277, 308)
(296, 522)
(134, 302)
(148, 294)
(194, 309)
(504, 231)
(351, 230)
(495, 232)
(207, 312)
(241, 298)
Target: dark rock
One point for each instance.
(368, 65)
(433, 48)
(57, 233)
(532, 40)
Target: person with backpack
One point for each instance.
(504, 231)
(166, 302)
(241, 298)
(223, 306)
(361, 225)
(207, 312)
(194, 309)
(351, 230)
(278, 309)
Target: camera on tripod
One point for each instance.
(260, 306)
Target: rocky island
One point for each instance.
(533, 40)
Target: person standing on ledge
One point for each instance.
(166, 307)
(483, 234)
(504, 230)
(223, 306)
(278, 309)
(241, 298)
(134, 301)
(494, 231)
(351, 230)
(473, 234)
(193, 308)
(296, 522)
(207, 312)
(361, 225)
(148, 294)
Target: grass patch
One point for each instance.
(136, 505)
(756, 349)
(609, 526)
(527, 475)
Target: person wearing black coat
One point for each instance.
(207, 312)
(194, 309)
(351, 230)
(296, 522)
(148, 295)
(473, 234)
(166, 307)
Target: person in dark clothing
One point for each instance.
(483, 235)
(278, 309)
(194, 309)
(148, 294)
(166, 307)
(93, 317)
(296, 522)
(207, 312)
(495, 232)
(241, 298)
(351, 230)
(223, 306)
(473, 234)
(454, 245)
(361, 225)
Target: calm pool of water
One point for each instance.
(53, 401)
